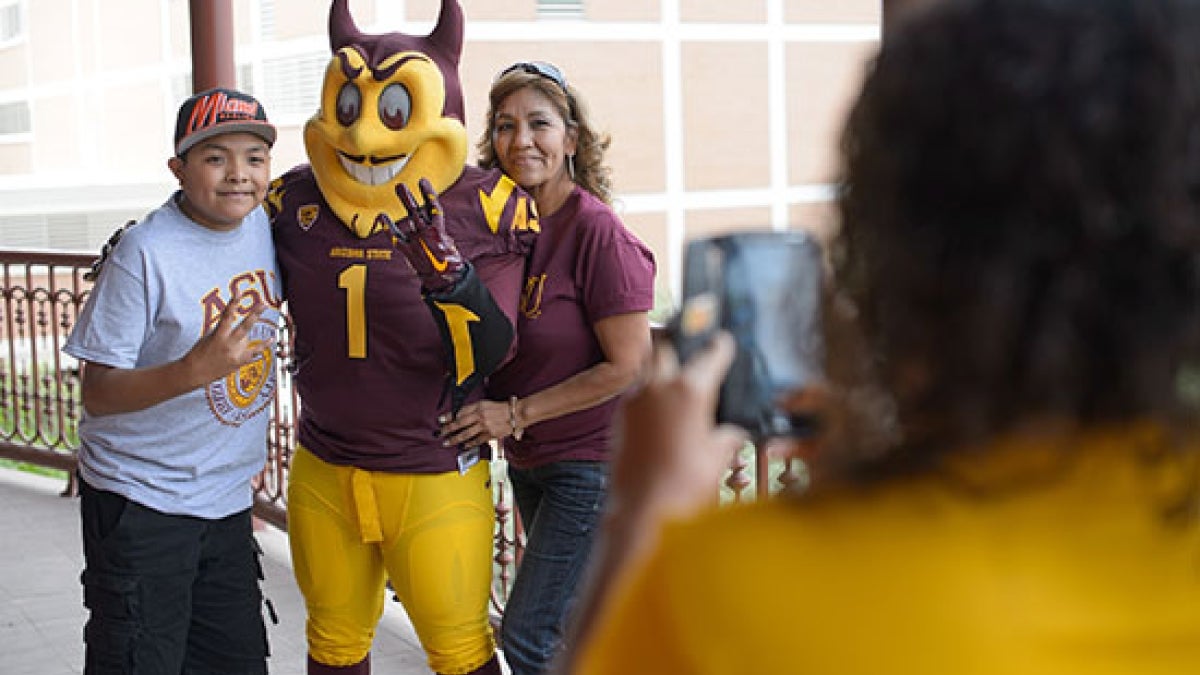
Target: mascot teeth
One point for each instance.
(373, 175)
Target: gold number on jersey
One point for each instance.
(354, 280)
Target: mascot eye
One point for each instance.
(395, 106)
(349, 104)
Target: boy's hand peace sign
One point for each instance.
(227, 346)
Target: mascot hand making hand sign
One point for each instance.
(402, 270)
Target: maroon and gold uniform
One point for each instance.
(383, 349)
(369, 358)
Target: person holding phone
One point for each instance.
(584, 338)
(1010, 474)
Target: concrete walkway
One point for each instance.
(41, 606)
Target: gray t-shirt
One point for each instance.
(164, 286)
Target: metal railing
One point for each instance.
(43, 293)
(39, 385)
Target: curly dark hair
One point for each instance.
(1020, 198)
(591, 173)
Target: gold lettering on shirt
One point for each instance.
(531, 297)
(351, 253)
(247, 288)
(525, 216)
(493, 202)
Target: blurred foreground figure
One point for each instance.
(1008, 482)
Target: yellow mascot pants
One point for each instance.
(430, 534)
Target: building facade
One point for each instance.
(724, 115)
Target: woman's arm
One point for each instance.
(670, 458)
(107, 390)
(625, 341)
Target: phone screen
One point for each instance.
(763, 287)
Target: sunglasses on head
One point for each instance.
(542, 68)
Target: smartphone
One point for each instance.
(765, 289)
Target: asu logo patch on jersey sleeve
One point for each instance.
(306, 215)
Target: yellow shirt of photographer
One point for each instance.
(1057, 558)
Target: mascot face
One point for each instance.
(391, 113)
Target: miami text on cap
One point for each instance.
(220, 111)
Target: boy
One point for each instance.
(177, 344)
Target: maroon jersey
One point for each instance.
(371, 363)
(585, 266)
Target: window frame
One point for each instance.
(21, 33)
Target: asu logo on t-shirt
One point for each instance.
(246, 391)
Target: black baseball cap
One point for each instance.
(220, 111)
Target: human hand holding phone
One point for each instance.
(765, 289)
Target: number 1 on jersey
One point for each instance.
(457, 320)
(353, 280)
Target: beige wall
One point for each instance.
(622, 10)
(46, 27)
(59, 144)
(181, 36)
(123, 114)
(653, 230)
(289, 148)
(626, 100)
(137, 22)
(15, 158)
(427, 10)
(486, 10)
(723, 12)
(526, 10)
(801, 11)
(822, 80)
(711, 222)
(13, 66)
(628, 108)
(296, 18)
(726, 134)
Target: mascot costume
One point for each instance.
(402, 270)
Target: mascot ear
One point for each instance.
(342, 30)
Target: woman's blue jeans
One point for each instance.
(560, 504)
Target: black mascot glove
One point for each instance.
(421, 236)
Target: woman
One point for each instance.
(1019, 247)
(584, 338)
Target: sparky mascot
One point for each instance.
(402, 270)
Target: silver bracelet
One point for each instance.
(517, 431)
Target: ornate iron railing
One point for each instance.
(43, 293)
(39, 386)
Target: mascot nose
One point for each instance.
(361, 137)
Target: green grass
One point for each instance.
(33, 469)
